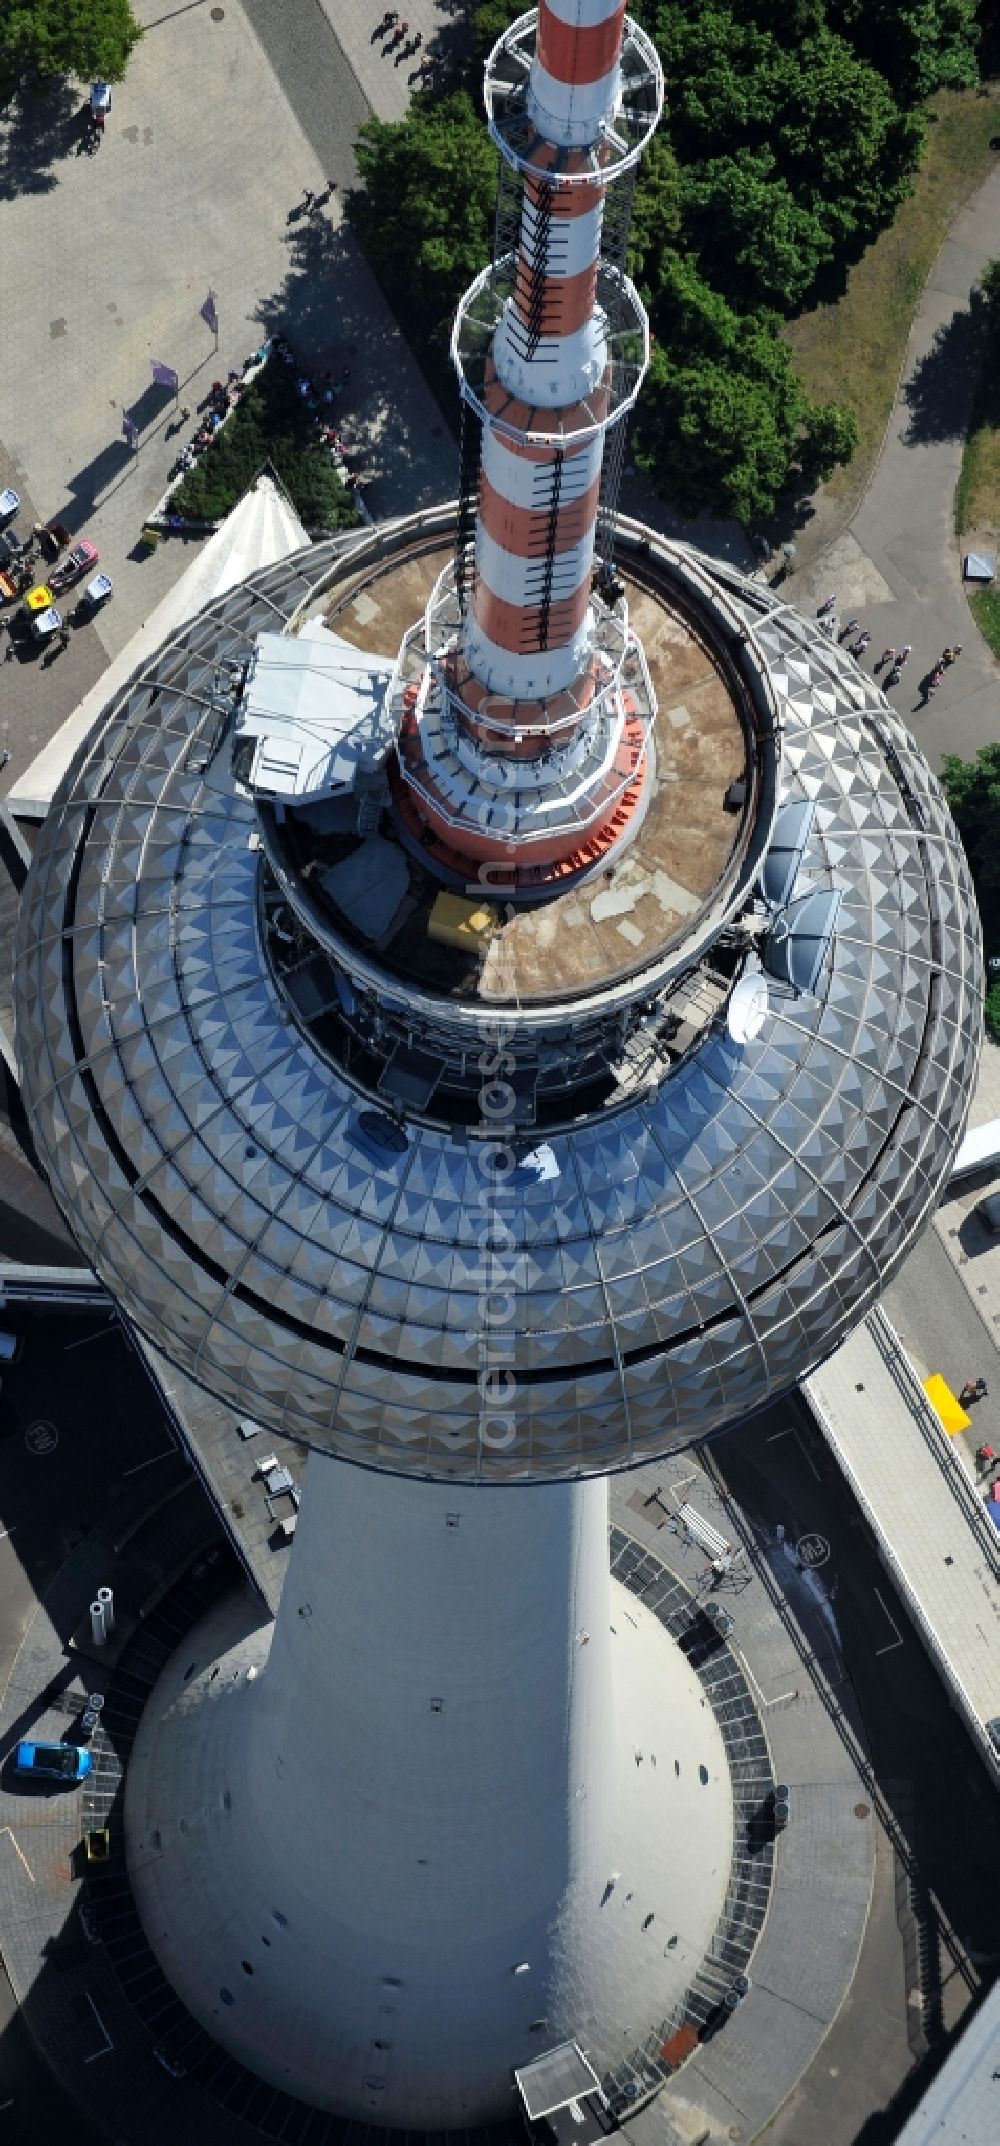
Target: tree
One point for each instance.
(425, 215)
(656, 212)
(972, 788)
(831, 436)
(796, 92)
(723, 423)
(918, 45)
(752, 239)
(91, 39)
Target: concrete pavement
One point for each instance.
(899, 565)
(385, 87)
(213, 136)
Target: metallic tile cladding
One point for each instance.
(704, 1244)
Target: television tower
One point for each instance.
(491, 1066)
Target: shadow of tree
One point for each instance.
(939, 393)
(335, 314)
(37, 131)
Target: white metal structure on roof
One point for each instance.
(312, 717)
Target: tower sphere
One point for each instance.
(661, 1246)
(507, 1062)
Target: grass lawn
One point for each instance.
(985, 607)
(270, 425)
(851, 352)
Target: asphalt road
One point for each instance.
(934, 1901)
(79, 1380)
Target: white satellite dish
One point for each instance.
(747, 1009)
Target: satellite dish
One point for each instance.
(799, 940)
(748, 1008)
(792, 829)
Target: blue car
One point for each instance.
(53, 1762)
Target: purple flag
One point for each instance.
(209, 313)
(164, 376)
(130, 431)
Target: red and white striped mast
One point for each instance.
(525, 705)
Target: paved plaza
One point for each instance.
(118, 252)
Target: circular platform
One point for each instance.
(681, 858)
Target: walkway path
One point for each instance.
(898, 566)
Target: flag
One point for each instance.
(210, 313)
(164, 376)
(130, 431)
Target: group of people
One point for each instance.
(319, 395)
(394, 35)
(892, 660)
(223, 395)
(320, 398)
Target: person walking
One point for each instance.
(903, 653)
(4, 757)
(888, 656)
(827, 604)
(850, 627)
(951, 655)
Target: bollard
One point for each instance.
(107, 1601)
(98, 1630)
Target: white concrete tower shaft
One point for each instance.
(374, 1856)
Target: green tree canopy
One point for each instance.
(751, 238)
(827, 119)
(918, 45)
(426, 212)
(723, 418)
(972, 788)
(91, 39)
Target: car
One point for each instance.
(989, 1214)
(53, 1762)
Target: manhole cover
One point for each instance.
(218, 14)
(861, 1810)
(41, 1437)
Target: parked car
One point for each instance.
(53, 1762)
